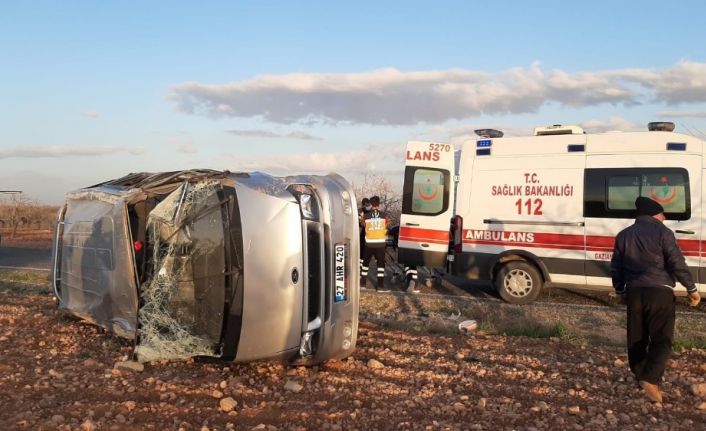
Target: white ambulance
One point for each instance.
(528, 212)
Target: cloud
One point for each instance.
(682, 114)
(683, 83)
(612, 124)
(254, 133)
(257, 133)
(371, 157)
(460, 134)
(302, 136)
(61, 151)
(392, 97)
(90, 114)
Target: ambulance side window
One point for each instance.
(426, 191)
(611, 193)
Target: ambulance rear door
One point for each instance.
(427, 204)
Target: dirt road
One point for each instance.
(57, 373)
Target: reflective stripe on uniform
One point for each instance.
(410, 271)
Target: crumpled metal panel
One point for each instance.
(272, 246)
(97, 277)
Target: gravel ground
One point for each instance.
(59, 373)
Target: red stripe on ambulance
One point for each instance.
(561, 241)
(424, 235)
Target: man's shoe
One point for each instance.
(651, 391)
(382, 289)
(412, 287)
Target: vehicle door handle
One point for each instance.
(411, 224)
(424, 245)
(686, 232)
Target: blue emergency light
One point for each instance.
(676, 146)
(484, 143)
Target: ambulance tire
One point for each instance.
(518, 282)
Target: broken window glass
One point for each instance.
(181, 313)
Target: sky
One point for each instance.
(91, 91)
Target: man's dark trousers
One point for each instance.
(650, 331)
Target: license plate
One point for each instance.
(340, 272)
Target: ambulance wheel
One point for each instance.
(518, 282)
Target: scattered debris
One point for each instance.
(468, 326)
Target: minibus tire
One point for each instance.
(518, 282)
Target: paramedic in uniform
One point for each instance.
(375, 236)
(646, 261)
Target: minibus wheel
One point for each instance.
(518, 282)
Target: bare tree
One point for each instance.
(375, 184)
(34, 214)
(19, 210)
(14, 211)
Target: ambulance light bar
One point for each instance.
(558, 129)
(660, 126)
(489, 133)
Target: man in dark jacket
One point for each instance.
(646, 261)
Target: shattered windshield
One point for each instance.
(181, 312)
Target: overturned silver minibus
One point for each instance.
(237, 266)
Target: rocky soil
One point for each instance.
(59, 373)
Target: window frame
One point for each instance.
(408, 190)
(595, 198)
